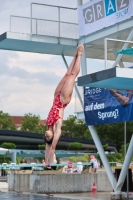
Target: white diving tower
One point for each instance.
(59, 36)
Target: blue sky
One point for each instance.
(28, 80)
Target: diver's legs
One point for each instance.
(67, 89)
(63, 80)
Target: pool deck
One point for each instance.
(84, 195)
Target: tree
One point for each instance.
(72, 127)
(115, 133)
(8, 145)
(31, 123)
(6, 122)
(75, 145)
(122, 149)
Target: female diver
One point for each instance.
(62, 97)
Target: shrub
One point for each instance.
(41, 146)
(84, 158)
(8, 145)
(75, 145)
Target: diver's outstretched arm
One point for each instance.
(123, 100)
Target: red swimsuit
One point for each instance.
(53, 115)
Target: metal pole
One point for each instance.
(124, 139)
(105, 51)
(83, 63)
(79, 2)
(125, 165)
(30, 21)
(125, 156)
(124, 46)
(36, 26)
(10, 24)
(59, 24)
(103, 156)
(14, 157)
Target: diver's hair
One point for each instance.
(48, 141)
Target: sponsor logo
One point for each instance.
(91, 91)
(105, 8)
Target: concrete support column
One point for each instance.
(83, 63)
(118, 195)
(83, 58)
(14, 157)
(79, 2)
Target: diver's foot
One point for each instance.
(80, 49)
(48, 167)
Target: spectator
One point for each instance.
(79, 167)
(94, 164)
(43, 161)
(70, 167)
(23, 161)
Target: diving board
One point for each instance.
(114, 78)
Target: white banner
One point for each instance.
(98, 14)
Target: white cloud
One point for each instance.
(28, 80)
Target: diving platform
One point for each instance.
(114, 78)
(64, 45)
(37, 44)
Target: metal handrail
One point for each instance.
(54, 6)
(59, 21)
(40, 19)
(59, 7)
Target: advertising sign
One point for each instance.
(98, 14)
(102, 106)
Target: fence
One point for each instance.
(47, 20)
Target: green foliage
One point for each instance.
(84, 158)
(8, 160)
(8, 145)
(111, 158)
(105, 146)
(31, 123)
(122, 149)
(119, 157)
(72, 127)
(42, 146)
(75, 145)
(18, 160)
(6, 122)
(115, 133)
(1, 159)
(4, 159)
(86, 155)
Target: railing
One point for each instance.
(116, 164)
(19, 166)
(47, 20)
